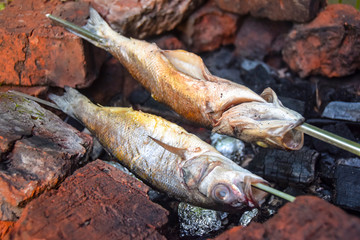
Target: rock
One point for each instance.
(208, 28)
(38, 150)
(141, 19)
(329, 45)
(309, 218)
(97, 202)
(297, 167)
(349, 111)
(285, 10)
(347, 184)
(260, 37)
(35, 53)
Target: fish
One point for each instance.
(181, 80)
(166, 156)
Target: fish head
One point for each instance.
(268, 123)
(231, 189)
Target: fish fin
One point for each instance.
(178, 151)
(187, 63)
(270, 96)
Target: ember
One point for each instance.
(53, 183)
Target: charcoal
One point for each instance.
(294, 104)
(139, 96)
(278, 166)
(221, 63)
(349, 111)
(258, 79)
(347, 186)
(326, 168)
(340, 129)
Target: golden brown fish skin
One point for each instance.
(205, 97)
(181, 80)
(164, 154)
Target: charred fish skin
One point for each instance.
(165, 155)
(181, 80)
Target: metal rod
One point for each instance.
(274, 191)
(46, 103)
(74, 28)
(331, 138)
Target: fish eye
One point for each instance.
(221, 192)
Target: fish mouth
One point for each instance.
(292, 139)
(254, 197)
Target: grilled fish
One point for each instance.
(181, 80)
(165, 156)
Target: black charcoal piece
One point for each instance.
(347, 184)
(297, 167)
(326, 168)
(349, 111)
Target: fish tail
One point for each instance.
(68, 101)
(96, 31)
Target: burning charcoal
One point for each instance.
(293, 10)
(256, 44)
(35, 55)
(248, 216)
(349, 111)
(340, 129)
(208, 28)
(38, 150)
(309, 218)
(328, 45)
(285, 167)
(142, 19)
(347, 185)
(97, 202)
(196, 221)
(228, 146)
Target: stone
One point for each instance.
(38, 150)
(308, 217)
(97, 202)
(297, 167)
(329, 45)
(257, 38)
(284, 10)
(208, 28)
(36, 53)
(141, 19)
